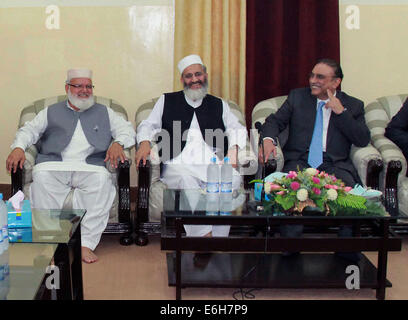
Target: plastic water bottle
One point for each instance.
(3, 225)
(226, 176)
(212, 205)
(213, 188)
(226, 188)
(213, 177)
(4, 275)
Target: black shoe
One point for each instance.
(350, 256)
(201, 259)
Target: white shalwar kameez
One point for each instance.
(189, 169)
(53, 180)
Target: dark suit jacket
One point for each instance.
(299, 112)
(397, 129)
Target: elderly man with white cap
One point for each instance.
(185, 116)
(74, 143)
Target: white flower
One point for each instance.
(311, 171)
(302, 195)
(331, 194)
(267, 187)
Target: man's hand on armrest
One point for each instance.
(114, 153)
(269, 146)
(142, 152)
(232, 154)
(15, 159)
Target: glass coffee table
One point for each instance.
(59, 228)
(250, 257)
(24, 268)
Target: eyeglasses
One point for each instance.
(190, 75)
(320, 76)
(81, 86)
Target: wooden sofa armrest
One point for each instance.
(16, 181)
(123, 176)
(391, 187)
(143, 192)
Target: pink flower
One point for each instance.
(292, 175)
(275, 186)
(347, 189)
(295, 185)
(316, 191)
(333, 178)
(328, 186)
(280, 192)
(316, 180)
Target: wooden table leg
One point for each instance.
(178, 258)
(382, 261)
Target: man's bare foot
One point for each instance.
(88, 256)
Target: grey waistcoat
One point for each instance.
(62, 122)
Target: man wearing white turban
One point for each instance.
(185, 116)
(75, 142)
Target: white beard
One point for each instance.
(196, 94)
(81, 104)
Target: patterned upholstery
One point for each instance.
(245, 156)
(359, 156)
(29, 112)
(378, 114)
(261, 111)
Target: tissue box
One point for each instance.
(258, 191)
(20, 235)
(19, 219)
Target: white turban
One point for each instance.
(79, 73)
(188, 61)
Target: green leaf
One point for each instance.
(285, 201)
(256, 180)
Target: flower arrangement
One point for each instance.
(294, 192)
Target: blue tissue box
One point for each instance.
(258, 191)
(19, 219)
(20, 235)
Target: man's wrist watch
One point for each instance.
(272, 139)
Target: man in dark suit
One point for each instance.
(343, 125)
(397, 129)
(319, 138)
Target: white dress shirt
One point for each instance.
(75, 154)
(326, 119)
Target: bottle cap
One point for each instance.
(213, 160)
(1, 196)
(226, 160)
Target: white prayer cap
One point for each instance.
(79, 73)
(188, 61)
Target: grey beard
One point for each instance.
(81, 104)
(196, 94)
